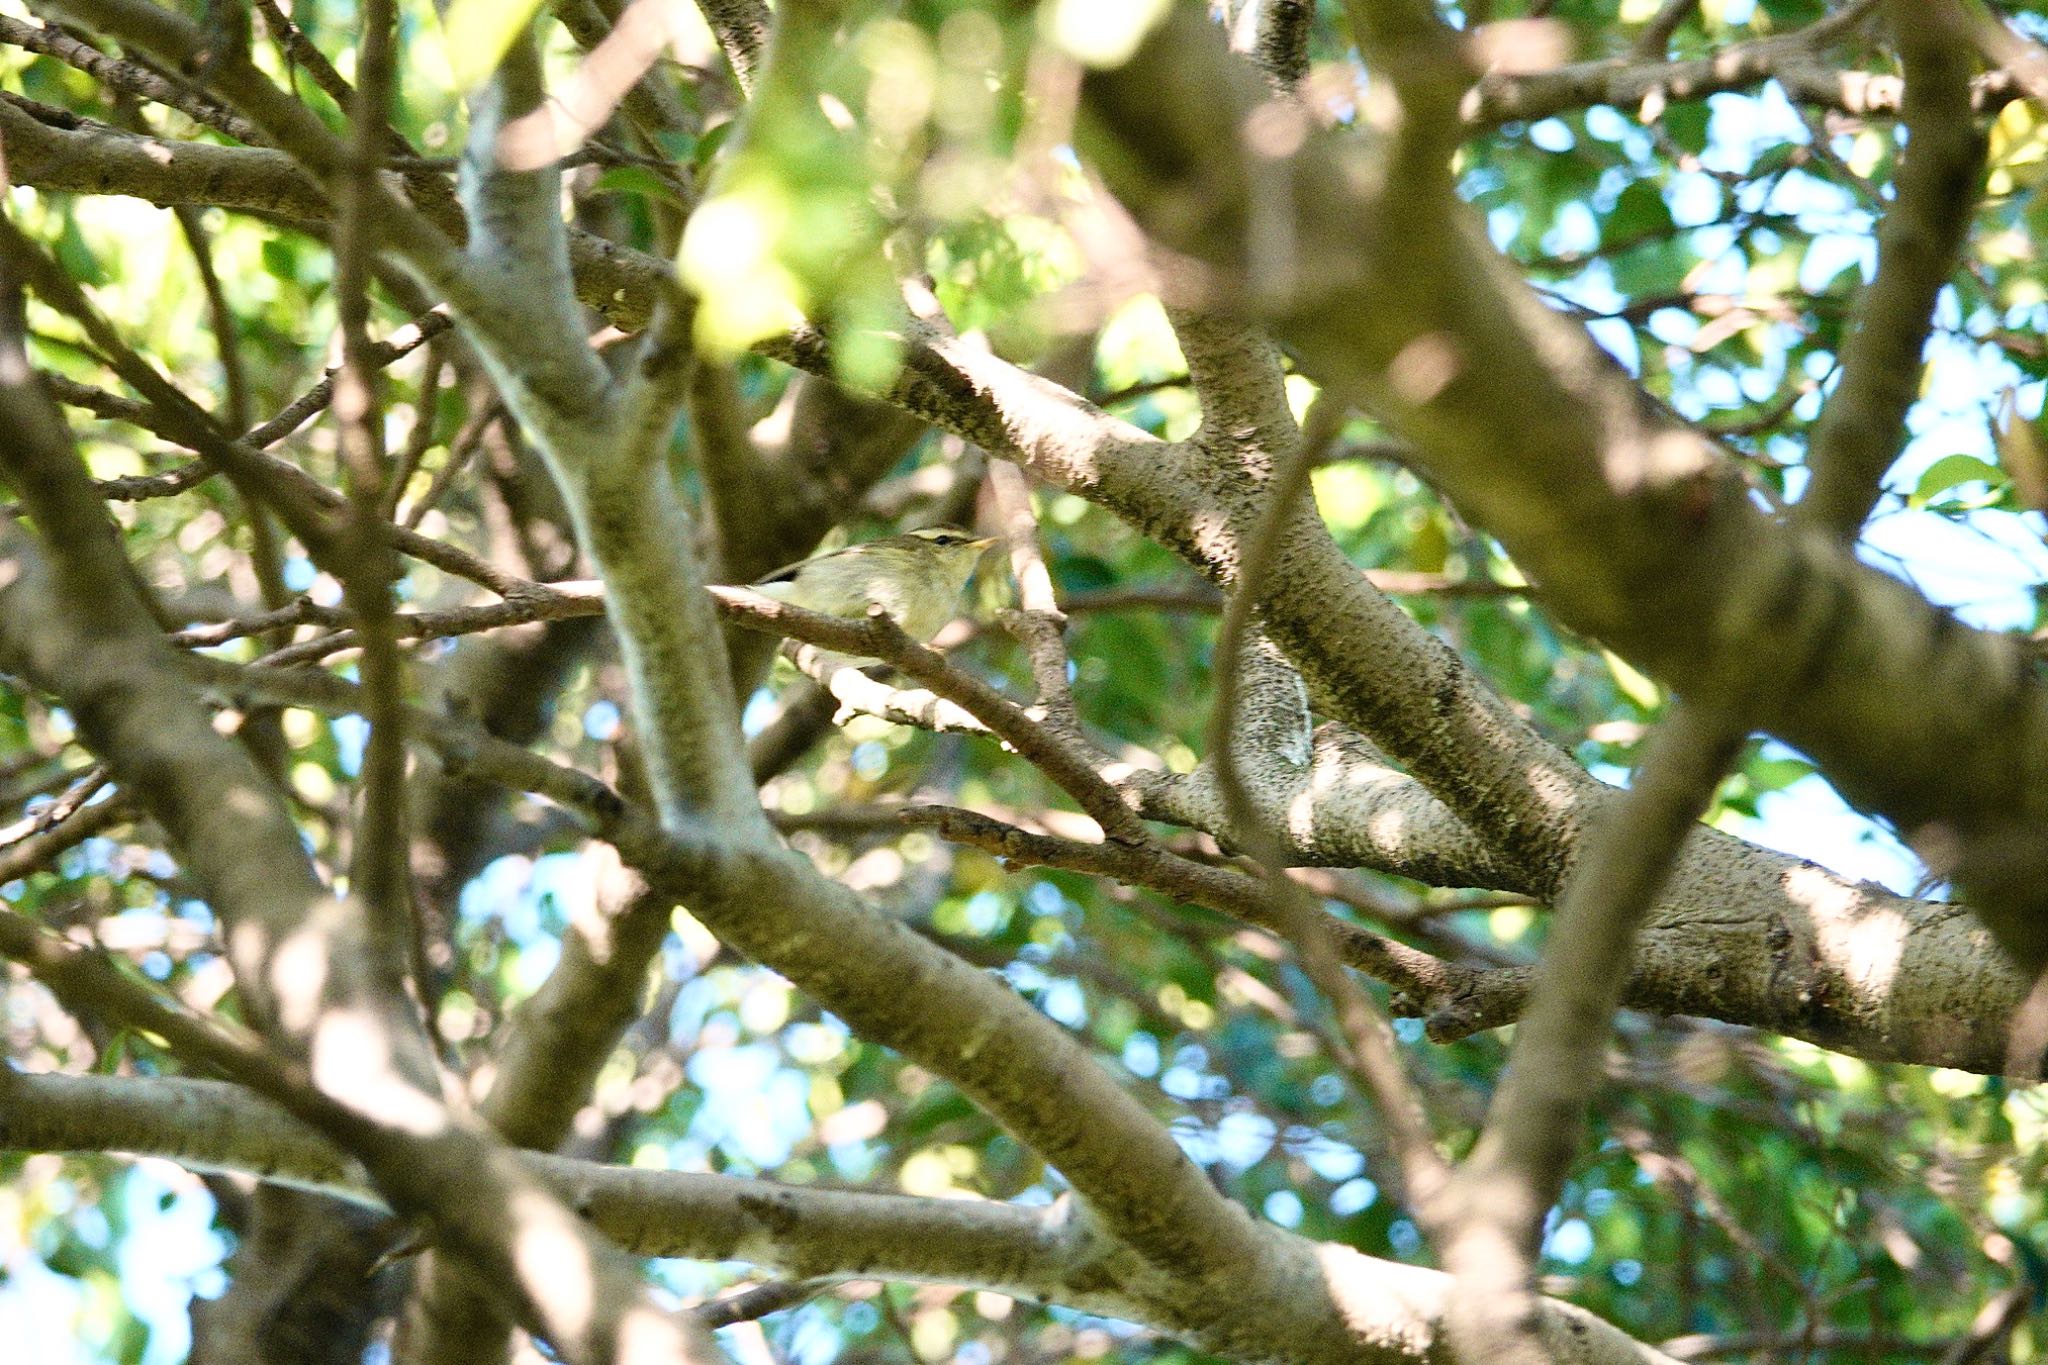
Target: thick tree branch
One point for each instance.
(531, 333)
(1638, 533)
(1373, 1312)
(1785, 916)
(605, 443)
(77, 624)
(742, 29)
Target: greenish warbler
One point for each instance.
(917, 578)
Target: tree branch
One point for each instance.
(77, 624)
(1863, 424)
(1496, 1206)
(1371, 1311)
(889, 985)
(380, 870)
(1638, 533)
(129, 78)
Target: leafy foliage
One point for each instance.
(1737, 1182)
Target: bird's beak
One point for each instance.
(984, 542)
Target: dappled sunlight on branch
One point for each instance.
(1387, 410)
(549, 1257)
(1865, 942)
(301, 969)
(351, 1058)
(1655, 462)
(581, 105)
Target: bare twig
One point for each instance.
(1251, 899)
(1861, 429)
(193, 425)
(449, 558)
(461, 450)
(36, 849)
(1498, 1200)
(419, 439)
(878, 637)
(304, 55)
(1366, 1042)
(401, 343)
(220, 315)
(758, 1301)
(364, 557)
(130, 77)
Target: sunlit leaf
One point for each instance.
(477, 34)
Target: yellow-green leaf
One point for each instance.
(477, 33)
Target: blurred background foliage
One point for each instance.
(1737, 1183)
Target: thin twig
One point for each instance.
(38, 851)
(401, 343)
(878, 637)
(467, 442)
(1243, 897)
(1366, 1041)
(365, 558)
(1501, 1194)
(301, 52)
(227, 343)
(758, 1301)
(191, 424)
(131, 78)
(281, 474)
(420, 439)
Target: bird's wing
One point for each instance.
(785, 574)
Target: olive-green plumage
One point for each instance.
(917, 578)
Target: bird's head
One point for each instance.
(952, 551)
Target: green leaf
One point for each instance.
(1639, 689)
(279, 259)
(477, 34)
(1639, 211)
(1789, 14)
(76, 255)
(637, 180)
(707, 146)
(1685, 122)
(1951, 471)
(1776, 774)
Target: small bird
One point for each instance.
(917, 578)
